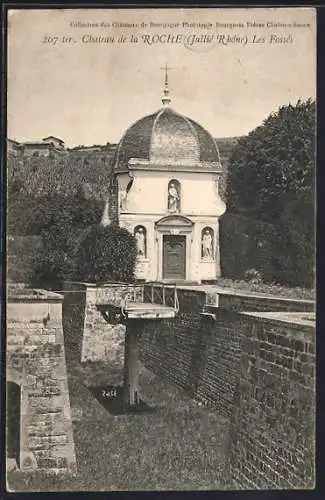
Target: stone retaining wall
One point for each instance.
(257, 369)
(36, 375)
(272, 438)
(85, 330)
(254, 369)
(193, 354)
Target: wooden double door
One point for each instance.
(174, 257)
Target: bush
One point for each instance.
(48, 269)
(253, 276)
(281, 253)
(21, 252)
(104, 254)
(246, 243)
(54, 213)
(57, 221)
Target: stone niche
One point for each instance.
(38, 418)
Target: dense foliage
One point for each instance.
(59, 221)
(55, 198)
(271, 183)
(70, 242)
(104, 254)
(59, 175)
(55, 213)
(275, 160)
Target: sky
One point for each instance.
(90, 92)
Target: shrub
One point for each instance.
(282, 253)
(21, 252)
(48, 268)
(246, 243)
(57, 221)
(253, 276)
(104, 254)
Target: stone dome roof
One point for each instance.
(166, 138)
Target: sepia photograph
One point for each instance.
(160, 269)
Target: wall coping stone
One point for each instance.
(199, 289)
(24, 294)
(240, 293)
(99, 285)
(294, 319)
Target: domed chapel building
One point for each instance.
(166, 173)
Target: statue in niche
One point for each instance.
(174, 200)
(123, 196)
(207, 244)
(140, 237)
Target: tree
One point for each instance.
(275, 159)
(271, 178)
(104, 254)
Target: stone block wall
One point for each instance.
(273, 422)
(254, 369)
(191, 353)
(73, 311)
(100, 340)
(39, 427)
(85, 329)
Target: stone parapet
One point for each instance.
(38, 405)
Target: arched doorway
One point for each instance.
(174, 257)
(174, 238)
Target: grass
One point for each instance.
(179, 446)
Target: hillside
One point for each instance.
(83, 167)
(62, 175)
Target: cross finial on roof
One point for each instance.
(166, 99)
(166, 68)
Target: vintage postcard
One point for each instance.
(161, 249)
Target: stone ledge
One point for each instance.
(292, 319)
(280, 298)
(18, 293)
(87, 284)
(50, 323)
(222, 297)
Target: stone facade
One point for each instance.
(39, 427)
(167, 171)
(147, 207)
